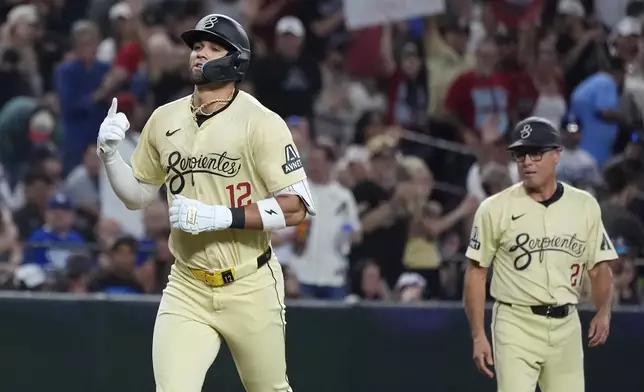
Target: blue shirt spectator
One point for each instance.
(77, 83)
(50, 245)
(597, 93)
(146, 250)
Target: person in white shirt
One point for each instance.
(321, 265)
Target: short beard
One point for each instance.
(197, 77)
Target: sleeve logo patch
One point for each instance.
(293, 161)
(605, 244)
(474, 239)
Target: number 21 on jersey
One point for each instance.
(577, 274)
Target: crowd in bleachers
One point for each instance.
(401, 128)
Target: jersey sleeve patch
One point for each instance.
(292, 159)
(474, 239)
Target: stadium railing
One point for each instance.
(101, 343)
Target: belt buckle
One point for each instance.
(566, 311)
(227, 275)
(210, 279)
(219, 278)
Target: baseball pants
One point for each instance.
(193, 318)
(531, 349)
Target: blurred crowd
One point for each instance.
(401, 127)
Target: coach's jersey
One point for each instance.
(241, 155)
(540, 251)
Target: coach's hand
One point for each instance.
(483, 356)
(112, 131)
(599, 330)
(194, 217)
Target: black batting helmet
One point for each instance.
(228, 32)
(534, 132)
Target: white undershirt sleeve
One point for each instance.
(134, 194)
(300, 188)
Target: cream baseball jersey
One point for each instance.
(540, 251)
(241, 155)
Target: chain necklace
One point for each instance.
(199, 111)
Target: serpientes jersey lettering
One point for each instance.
(241, 155)
(540, 253)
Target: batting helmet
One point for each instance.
(534, 132)
(228, 32)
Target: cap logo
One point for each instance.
(526, 131)
(210, 23)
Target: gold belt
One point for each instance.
(225, 276)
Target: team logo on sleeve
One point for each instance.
(474, 239)
(293, 161)
(605, 243)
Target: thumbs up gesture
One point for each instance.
(112, 131)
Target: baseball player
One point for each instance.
(233, 174)
(542, 235)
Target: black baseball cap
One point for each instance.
(534, 132)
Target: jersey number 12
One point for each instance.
(239, 194)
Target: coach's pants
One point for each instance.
(193, 318)
(529, 348)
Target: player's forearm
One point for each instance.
(601, 278)
(269, 214)
(291, 206)
(133, 194)
(474, 297)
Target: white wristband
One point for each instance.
(271, 214)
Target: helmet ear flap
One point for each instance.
(241, 64)
(244, 54)
(224, 69)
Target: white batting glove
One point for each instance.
(194, 217)
(111, 132)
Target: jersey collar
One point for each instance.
(555, 196)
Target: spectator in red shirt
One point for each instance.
(364, 52)
(261, 17)
(481, 95)
(512, 13)
(129, 53)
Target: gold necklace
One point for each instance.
(199, 110)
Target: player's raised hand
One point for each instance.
(483, 356)
(112, 131)
(599, 330)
